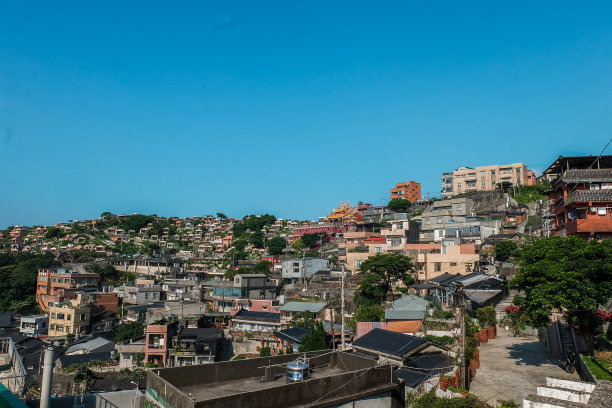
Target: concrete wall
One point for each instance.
(118, 399)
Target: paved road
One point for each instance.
(512, 368)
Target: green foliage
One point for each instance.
(298, 244)
(221, 215)
(458, 390)
(129, 331)
(276, 245)
(311, 240)
(265, 352)
(18, 274)
(430, 400)
(263, 267)
(69, 338)
(239, 357)
(370, 313)
(505, 249)
(243, 270)
(567, 274)
(508, 404)
(315, 339)
(252, 223)
(303, 319)
(441, 314)
(487, 316)
(600, 368)
(381, 271)
(417, 213)
(444, 340)
(531, 194)
(54, 232)
(399, 205)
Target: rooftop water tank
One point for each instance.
(297, 371)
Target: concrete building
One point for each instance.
(157, 342)
(194, 346)
(140, 295)
(410, 191)
(444, 212)
(249, 321)
(484, 178)
(69, 317)
(334, 379)
(431, 261)
(401, 231)
(54, 285)
(35, 325)
(251, 286)
(297, 269)
(581, 197)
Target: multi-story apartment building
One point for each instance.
(252, 286)
(157, 342)
(444, 212)
(139, 295)
(483, 178)
(581, 197)
(69, 317)
(400, 232)
(298, 269)
(431, 260)
(194, 346)
(352, 240)
(410, 191)
(55, 285)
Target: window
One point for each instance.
(51, 327)
(68, 329)
(264, 308)
(378, 250)
(470, 184)
(439, 221)
(437, 267)
(60, 316)
(59, 328)
(68, 317)
(483, 183)
(482, 174)
(82, 316)
(146, 295)
(468, 267)
(453, 264)
(358, 263)
(459, 186)
(492, 172)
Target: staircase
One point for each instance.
(567, 340)
(500, 308)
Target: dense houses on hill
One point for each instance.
(203, 290)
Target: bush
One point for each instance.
(239, 357)
(444, 340)
(265, 352)
(458, 390)
(487, 316)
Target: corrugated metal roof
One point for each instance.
(402, 314)
(314, 307)
(388, 342)
(88, 345)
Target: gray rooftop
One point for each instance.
(314, 307)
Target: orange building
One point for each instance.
(157, 342)
(410, 191)
(55, 285)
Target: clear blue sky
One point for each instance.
(248, 107)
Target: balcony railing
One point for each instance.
(580, 196)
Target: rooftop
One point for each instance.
(262, 382)
(314, 307)
(389, 343)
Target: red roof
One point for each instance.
(374, 240)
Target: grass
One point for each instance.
(600, 365)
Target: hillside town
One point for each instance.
(497, 291)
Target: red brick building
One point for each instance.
(581, 196)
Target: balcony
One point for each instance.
(589, 225)
(582, 196)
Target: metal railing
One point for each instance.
(13, 377)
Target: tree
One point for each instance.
(567, 274)
(399, 205)
(504, 186)
(129, 331)
(276, 245)
(486, 316)
(505, 249)
(382, 271)
(221, 215)
(303, 319)
(298, 244)
(310, 240)
(263, 267)
(314, 339)
(243, 270)
(54, 232)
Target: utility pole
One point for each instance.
(342, 306)
(463, 366)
